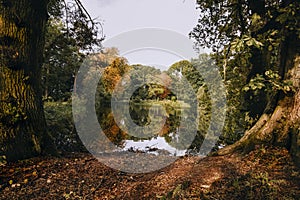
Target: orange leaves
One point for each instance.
(114, 133)
(114, 72)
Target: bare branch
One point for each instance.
(84, 11)
(67, 16)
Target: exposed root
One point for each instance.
(240, 145)
(269, 130)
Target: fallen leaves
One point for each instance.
(80, 176)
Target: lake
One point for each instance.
(152, 127)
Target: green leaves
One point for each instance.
(239, 44)
(256, 83)
(250, 40)
(270, 82)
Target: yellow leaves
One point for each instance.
(34, 173)
(254, 42)
(270, 48)
(237, 45)
(10, 182)
(111, 78)
(256, 19)
(3, 160)
(287, 88)
(114, 72)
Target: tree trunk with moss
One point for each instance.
(279, 124)
(22, 123)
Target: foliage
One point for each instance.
(113, 73)
(61, 126)
(105, 57)
(271, 81)
(156, 86)
(62, 61)
(255, 185)
(150, 93)
(86, 32)
(107, 122)
(222, 22)
(70, 36)
(248, 39)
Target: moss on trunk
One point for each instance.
(22, 123)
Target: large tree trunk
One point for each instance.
(280, 122)
(22, 123)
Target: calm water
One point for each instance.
(157, 128)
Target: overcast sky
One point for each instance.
(119, 16)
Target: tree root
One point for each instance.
(263, 132)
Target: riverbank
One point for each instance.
(266, 173)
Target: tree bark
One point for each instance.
(280, 122)
(22, 123)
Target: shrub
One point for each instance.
(61, 126)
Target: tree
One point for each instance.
(70, 37)
(23, 23)
(62, 61)
(261, 40)
(22, 123)
(113, 73)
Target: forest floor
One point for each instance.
(266, 173)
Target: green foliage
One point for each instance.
(247, 38)
(239, 44)
(188, 71)
(255, 186)
(152, 92)
(70, 36)
(270, 82)
(85, 32)
(61, 126)
(222, 22)
(62, 60)
(206, 92)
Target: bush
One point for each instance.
(61, 126)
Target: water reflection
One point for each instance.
(155, 127)
(157, 145)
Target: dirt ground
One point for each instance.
(266, 173)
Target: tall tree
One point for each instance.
(260, 40)
(22, 123)
(22, 39)
(70, 36)
(62, 61)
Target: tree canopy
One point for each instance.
(256, 44)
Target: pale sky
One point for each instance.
(119, 16)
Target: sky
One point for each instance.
(121, 16)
